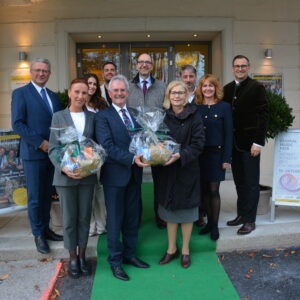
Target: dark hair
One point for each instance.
(189, 68)
(74, 81)
(97, 102)
(109, 63)
(241, 57)
(213, 80)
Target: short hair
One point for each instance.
(213, 80)
(109, 63)
(241, 57)
(188, 68)
(144, 54)
(119, 77)
(171, 85)
(42, 60)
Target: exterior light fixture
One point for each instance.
(268, 53)
(195, 35)
(22, 55)
(99, 36)
(148, 35)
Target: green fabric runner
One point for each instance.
(205, 279)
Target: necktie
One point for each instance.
(144, 87)
(126, 119)
(44, 97)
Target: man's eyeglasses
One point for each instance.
(41, 71)
(240, 66)
(180, 93)
(146, 62)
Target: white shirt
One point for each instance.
(79, 122)
(39, 89)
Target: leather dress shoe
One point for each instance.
(74, 270)
(185, 260)
(246, 228)
(136, 262)
(41, 244)
(206, 229)
(52, 236)
(168, 257)
(235, 222)
(119, 273)
(84, 267)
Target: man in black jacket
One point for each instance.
(250, 120)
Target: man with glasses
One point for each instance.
(145, 90)
(250, 120)
(32, 108)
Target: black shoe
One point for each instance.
(161, 224)
(135, 262)
(235, 222)
(74, 270)
(52, 236)
(119, 273)
(206, 229)
(41, 244)
(214, 234)
(84, 267)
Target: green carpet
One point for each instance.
(205, 279)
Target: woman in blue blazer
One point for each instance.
(75, 193)
(216, 157)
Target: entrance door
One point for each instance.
(168, 58)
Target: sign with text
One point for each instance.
(286, 175)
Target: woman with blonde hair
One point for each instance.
(216, 157)
(178, 180)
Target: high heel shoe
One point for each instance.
(206, 229)
(214, 234)
(84, 267)
(168, 257)
(185, 260)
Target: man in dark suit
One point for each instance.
(250, 120)
(121, 176)
(32, 108)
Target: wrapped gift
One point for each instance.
(152, 140)
(84, 157)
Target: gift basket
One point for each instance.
(84, 157)
(152, 140)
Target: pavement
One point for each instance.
(18, 252)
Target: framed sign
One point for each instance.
(271, 82)
(286, 174)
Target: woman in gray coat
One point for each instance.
(75, 193)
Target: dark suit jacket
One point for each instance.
(63, 119)
(31, 119)
(112, 134)
(250, 112)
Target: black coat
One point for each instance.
(178, 186)
(249, 112)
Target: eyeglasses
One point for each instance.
(240, 66)
(41, 71)
(180, 93)
(146, 62)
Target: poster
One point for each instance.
(271, 82)
(12, 179)
(286, 178)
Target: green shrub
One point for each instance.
(281, 117)
(63, 97)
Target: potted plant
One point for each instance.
(280, 119)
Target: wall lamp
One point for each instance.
(268, 53)
(22, 55)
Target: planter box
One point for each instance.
(264, 203)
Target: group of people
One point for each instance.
(215, 128)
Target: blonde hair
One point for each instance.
(213, 80)
(172, 84)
